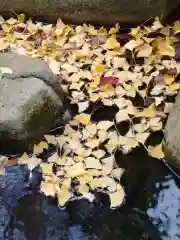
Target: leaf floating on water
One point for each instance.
(116, 198)
(47, 188)
(47, 168)
(83, 189)
(156, 151)
(117, 173)
(63, 195)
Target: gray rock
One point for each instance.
(29, 105)
(172, 135)
(98, 11)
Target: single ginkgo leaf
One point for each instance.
(76, 170)
(148, 112)
(132, 44)
(69, 68)
(37, 149)
(121, 116)
(84, 118)
(89, 196)
(92, 162)
(141, 137)
(63, 195)
(92, 143)
(156, 151)
(47, 168)
(156, 24)
(98, 153)
(82, 106)
(66, 183)
(168, 79)
(83, 189)
(155, 124)
(108, 164)
(112, 43)
(144, 51)
(165, 49)
(47, 188)
(51, 139)
(116, 198)
(104, 125)
(117, 173)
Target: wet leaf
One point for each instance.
(156, 151)
(116, 198)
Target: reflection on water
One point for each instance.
(165, 215)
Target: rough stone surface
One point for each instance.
(28, 103)
(98, 11)
(172, 135)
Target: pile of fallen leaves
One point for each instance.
(99, 67)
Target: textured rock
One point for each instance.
(172, 135)
(29, 104)
(98, 11)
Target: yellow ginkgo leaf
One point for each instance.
(141, 137)
(92, 143)
(104, 125)
(116, 198)
(76, 170)
(156, 24)
(92, 162)
(135, 32)
(38, 148)
(113, 30)
(148, 112)
(168, 79)
(117, 173)
(83, 189)
(21, 17)
(47, 188)
(108, 164)
(121, 116)
(63, 195)
(132, 44)
(165, 49)
(50, 139)
(156, 151)
(100, 68)
(173, 87)
(144, 51)
(112, 43)
(83, 106)
(83, 118)
(47, 168)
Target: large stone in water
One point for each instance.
(97, 11)
(172, 135)
(30, 101)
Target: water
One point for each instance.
(151, 209)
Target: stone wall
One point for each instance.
(95, 11)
